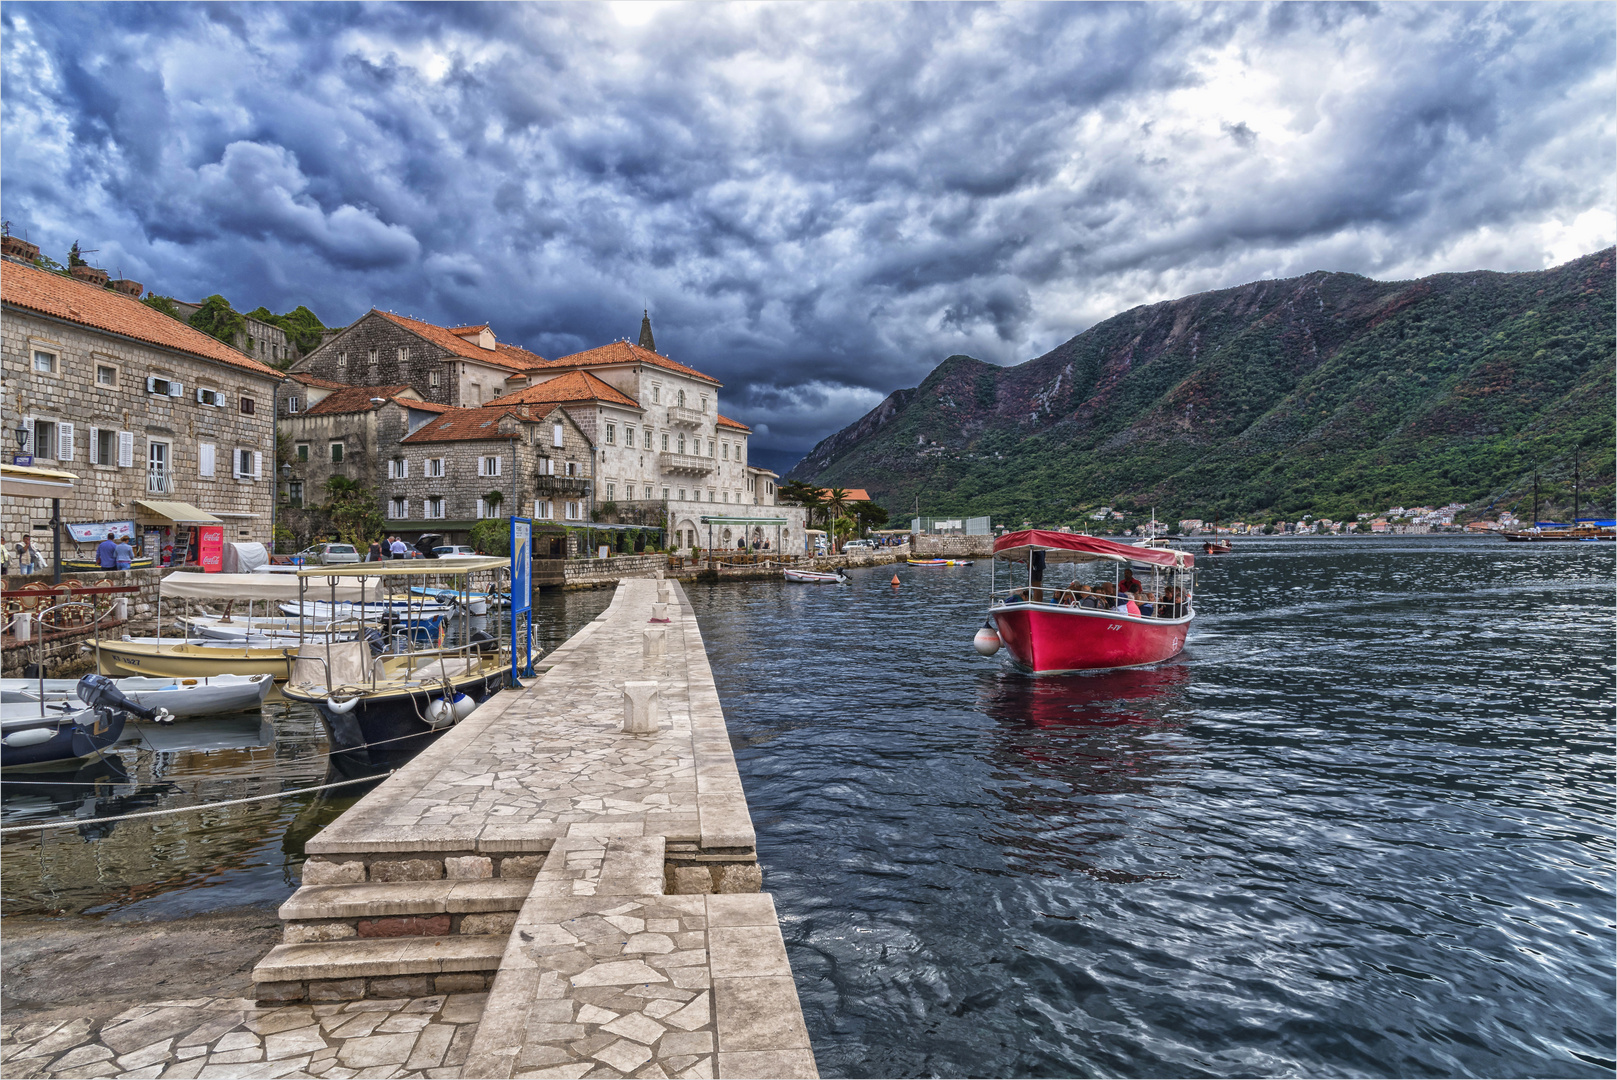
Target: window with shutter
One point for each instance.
(555, 435)
(126, 449)
(64, 442)
(205, 452)
(95, 446)
(258, 464)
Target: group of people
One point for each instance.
(113, 553)
(1129, 596)
(390, 547)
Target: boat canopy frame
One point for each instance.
(1059, 547)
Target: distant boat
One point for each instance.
(1217, 547)
(940, 562)
(1589, 529)
(815, 577)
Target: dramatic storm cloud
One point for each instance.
(817, 203)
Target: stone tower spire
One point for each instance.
(646, 340)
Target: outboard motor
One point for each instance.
(484, 642)
(426, 542)
(100, 692)
(376, 641)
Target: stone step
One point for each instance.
(373, 899)
(378, 967)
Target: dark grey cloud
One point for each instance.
(817, 202)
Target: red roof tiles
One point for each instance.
(316, 381)
(573, 386)
(621, 352)
(354, 399)
(502, 355)
(102, 309)
(462, 425)
(725, 421)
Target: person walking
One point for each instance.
(106, 553)
(25, 555)
(375, 553)
(399, 548)
(125, 554)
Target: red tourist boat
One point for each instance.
(1217, 547)
(1078, 625)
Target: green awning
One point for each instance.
(744, 521)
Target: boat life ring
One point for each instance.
(342, 708)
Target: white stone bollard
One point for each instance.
(24, 625)
(653, 645)
(665, 592)
(659, 612)
(642, 708)
(120, 609)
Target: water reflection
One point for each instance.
(1078, 754)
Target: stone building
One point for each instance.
(170, 431)
(260, 340)
(492, 462)
(463, 366)
(348, 431)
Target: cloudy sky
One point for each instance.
(818, 203)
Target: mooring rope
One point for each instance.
(76, 822)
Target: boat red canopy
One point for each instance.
(1076, 547)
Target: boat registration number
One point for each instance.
(1115, 626)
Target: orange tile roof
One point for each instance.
(103, 309)
(725, 421)
(424, 406)
(573, 386)
(503, 355)
(353, 399)
(459, 330)
(621, 352)
(462, 425)
(854, 494)
(316, 381)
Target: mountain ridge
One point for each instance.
(1328, 392)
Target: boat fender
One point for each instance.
(342, 708)
(31, 737)
(441, 711)
(987, 641)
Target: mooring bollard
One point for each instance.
(642, 708)
(120, 609)
(659, 612)
(653, 646)
(665, 592)
(24, 623)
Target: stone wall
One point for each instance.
(952, 547)
(65, 651)
(345, 358)
(590, 573)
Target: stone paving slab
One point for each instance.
(527, 769)
(207, 1038)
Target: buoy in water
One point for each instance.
(986, 642)
(895, 579)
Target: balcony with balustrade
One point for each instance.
(689, 464)
(547, 486)
(680, 416)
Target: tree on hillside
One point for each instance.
(165, 304)
(218, 319)
(869, 515)
(303, 328)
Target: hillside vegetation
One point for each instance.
(1328, 394)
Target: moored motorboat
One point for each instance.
(1217, 547)
(1091, 626)
(182, 698)
(941, 562)
(815, 577)
(35, 733)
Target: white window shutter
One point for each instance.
(126, 449)
(64, 442)
(200, 399)
(404, 468)
(258, 464)
(95, 446)
(555, 435)
(496, 463)
(205, 452)
(151, 384)
(176, 389)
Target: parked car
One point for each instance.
(453, 549)
(858, 545)
(329, 554)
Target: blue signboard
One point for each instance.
(521, 596)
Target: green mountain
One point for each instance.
(1327, 394)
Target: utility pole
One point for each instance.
(1575, 479)
(1535, 500)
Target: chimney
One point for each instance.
(92, 275)
(127, 287)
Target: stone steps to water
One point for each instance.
(324, 913)
(378, 967)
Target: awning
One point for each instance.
(744, 521)
(26, 482)
(178, 512)
(280, 587)
(1079, 547)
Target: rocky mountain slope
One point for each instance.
(1328, 393)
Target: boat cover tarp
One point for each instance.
(244, 558)
(1076, 547)
(220, 587)
(461, 564)
(345, 661)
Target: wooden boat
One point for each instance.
(1051, 629)
(1547, 533)
(172, 658)
(182, 698)
(81, 565)
(375, 695)
(815, 577)
(1217, 547)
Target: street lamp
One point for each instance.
(22, 436)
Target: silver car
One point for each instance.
(329, 554)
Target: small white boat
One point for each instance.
(262, 629)
(207, 696)
(815, 577)
(324, 610)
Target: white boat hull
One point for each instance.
(208, 696)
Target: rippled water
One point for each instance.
(201, 861)
(1363, 827)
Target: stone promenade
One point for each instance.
(541, 893)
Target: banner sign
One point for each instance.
(95, 532)
(211, 549)
(521, 596)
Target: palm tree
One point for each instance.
(836, 500)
